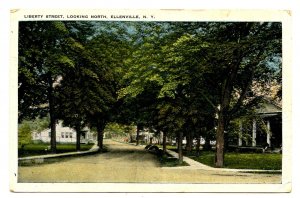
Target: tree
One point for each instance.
(226, 60)
(148, 67)
(241, 52)
(42, 59)
(176, 77)
(109, 49)
(24, 134)
(216, 63)
(74, 93)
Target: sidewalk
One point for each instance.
(42, 158)
(197, 165)
(193, 164)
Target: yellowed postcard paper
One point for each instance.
(150, 100)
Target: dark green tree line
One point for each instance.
(181, 78)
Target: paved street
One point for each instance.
(128, 163)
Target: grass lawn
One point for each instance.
(234, 160)
(261, 161)
(42, 149)
(168, 160)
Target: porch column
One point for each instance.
(254, 133)
(240, 143)
(269, 134)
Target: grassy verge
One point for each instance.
(259, 161)
(166, 161)
(43, 149)
(234, 160)
(170, 147)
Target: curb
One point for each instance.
(51, 157)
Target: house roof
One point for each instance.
(269, 108)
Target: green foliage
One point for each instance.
(26, 128)
(24, 134)
(64, 60)
(201, 66)
(170, 76)
(40, 124)
(113, 129)
(43, 55)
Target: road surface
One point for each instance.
(128, 163)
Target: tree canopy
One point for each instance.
(181, 78)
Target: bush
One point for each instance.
(24, 134)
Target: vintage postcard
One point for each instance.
(150, 100)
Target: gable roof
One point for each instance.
(269, 108)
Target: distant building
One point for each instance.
(65, 135)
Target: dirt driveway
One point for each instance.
(128, 163)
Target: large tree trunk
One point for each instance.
(198, 145)
(219, 159)
(189, 142)
(180, 155)
(223, 116)
(164, 142)
(227, 88)
(78, 138)
(159, 137)
(100, 128)
(138, 134)
(53, 134)
(52, 115)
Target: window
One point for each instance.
(49, 134)
(67, 135)
(71, 134)
(62, 134)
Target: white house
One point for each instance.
(271, 114)
(64, 135)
